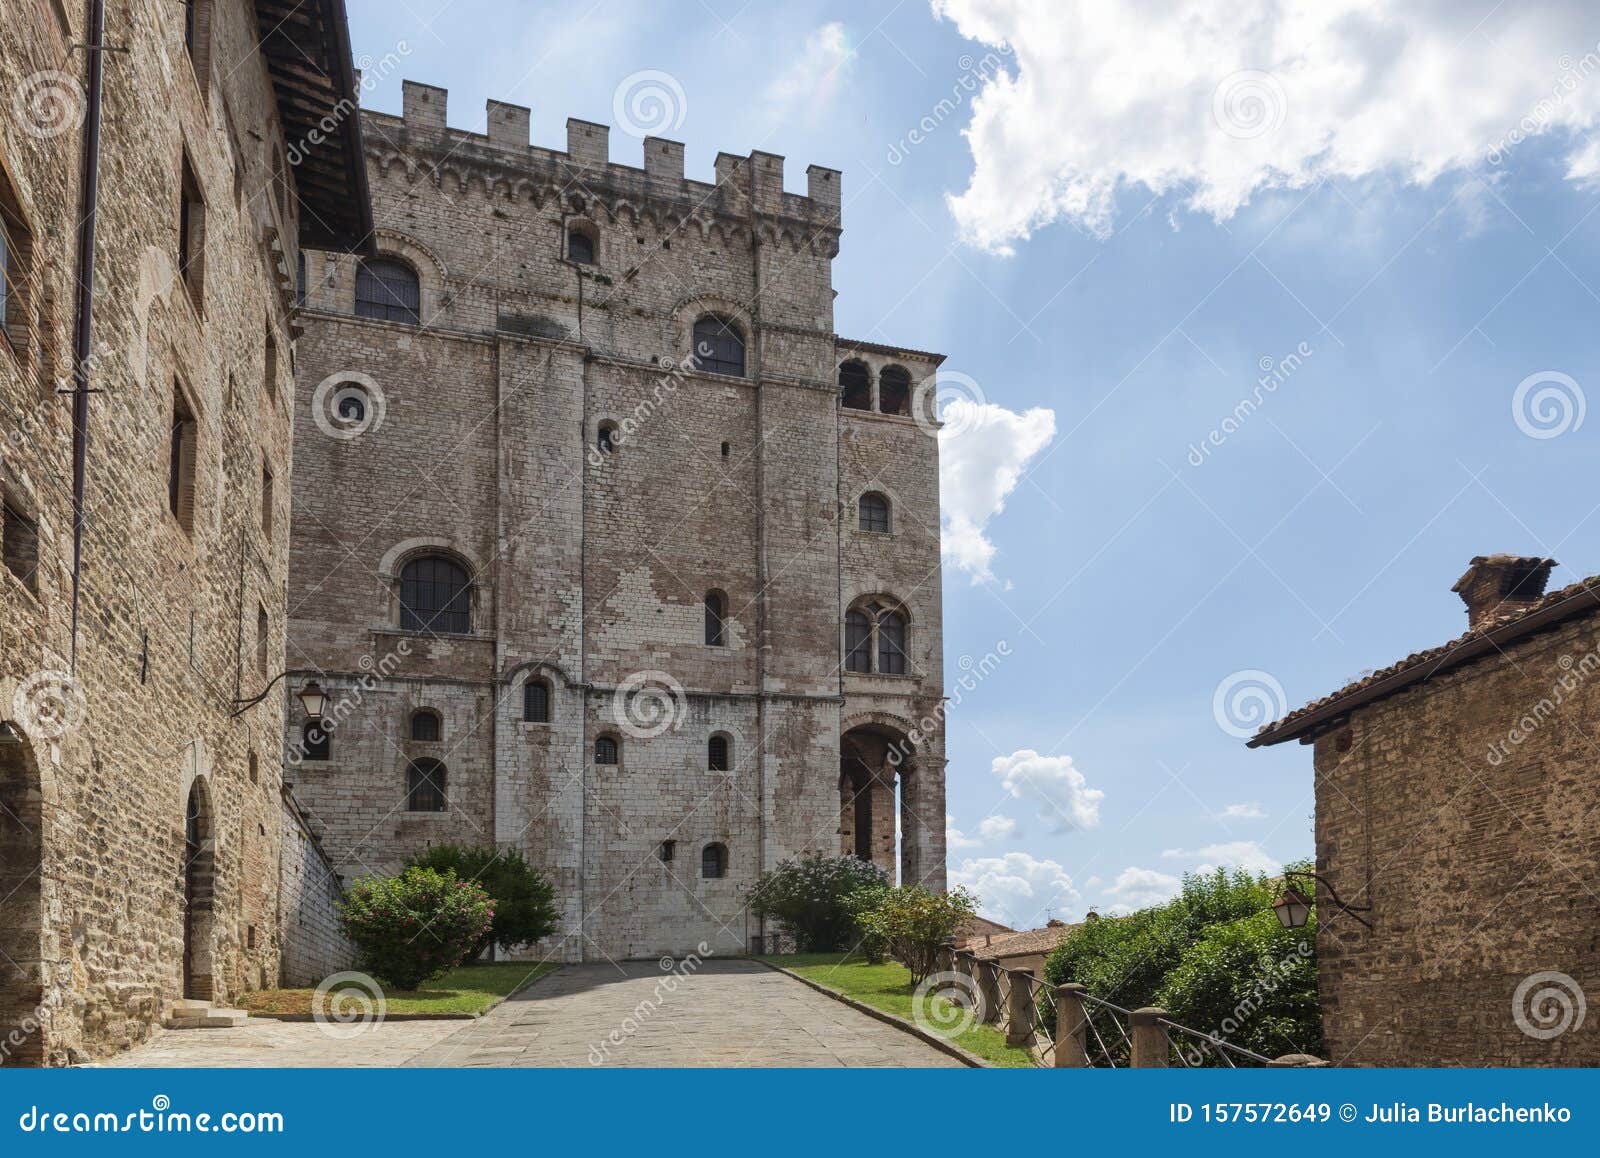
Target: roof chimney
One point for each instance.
(1499, 587)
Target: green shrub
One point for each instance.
(524, 901)
(860, 905)
(913, 924)
(807, 898)
(414, 926)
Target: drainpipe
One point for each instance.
(83, 324)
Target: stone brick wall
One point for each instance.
(591, 569)
(311, 944)
(169, 613)
(1478, 854)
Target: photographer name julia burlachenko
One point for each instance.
(1394, 1113)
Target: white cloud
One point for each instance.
(954, 837)
(997, 827)
(1016, 889)
(1245, 854)
(983, 450)
(1248, 811)
(1064, 800)
(1222, 99)
(1139, 888)
(808, 85)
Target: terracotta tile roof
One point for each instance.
(1577, 599)
(1024, 944)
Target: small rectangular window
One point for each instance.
(16, 247)
(266, 500)
(181, 460)
(271, 372)
(19, 545)
(192, 235)
(263, 638)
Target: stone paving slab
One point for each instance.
(634, 1014)
(720, 1013)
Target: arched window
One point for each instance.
(425, 726)
(605, 750)
(718, 347)
(580, 247)
(605, 439)
(717, 754)
(855, 386)
(894, 390)
(714, 861)
(892, 643)
(435, 595)
(536, 702)
(387, 289)
(873, 510)
(314, 742)
(425, 786)
(352, 407)
(857, 642)
(716, 619)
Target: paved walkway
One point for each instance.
(722, 1013)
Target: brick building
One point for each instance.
(140, 816)
(607, 547)
(1455, 815)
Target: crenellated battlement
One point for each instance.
(504, 155)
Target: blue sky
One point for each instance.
(1110, 229)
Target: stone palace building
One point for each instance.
(606, 546)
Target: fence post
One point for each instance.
(1072, 1046)
(1149, 1039)
(990, 979)
(1019, 1010)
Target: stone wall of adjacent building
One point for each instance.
(590, 571)
(93, 914)
(1464, 810)
(312, 946)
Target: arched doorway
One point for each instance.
(21, 907)
(199, 880)
(875, 768)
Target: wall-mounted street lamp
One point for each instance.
(311, 696)
(1293, 909)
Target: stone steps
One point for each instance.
(203, 1015)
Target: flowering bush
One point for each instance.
(414, 926)
(912, 924)
(524, 902)
(807, 897)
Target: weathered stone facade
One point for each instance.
(313, 945)
(1456, 796)
(105, 907)
(475, 437)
